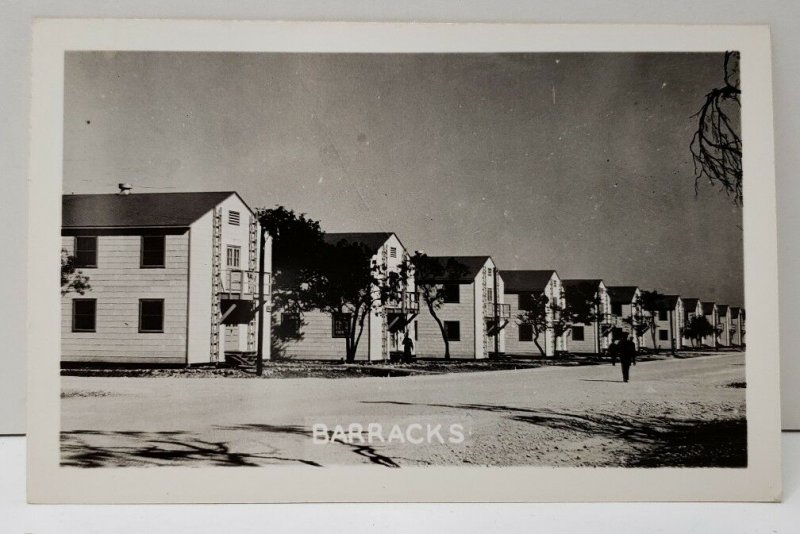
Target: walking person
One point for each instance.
(627, 356)
(408, 348)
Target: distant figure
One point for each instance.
(408, 348)
(627, 356)
(613, 351)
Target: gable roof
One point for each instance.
(690, 303)
(722, 309)
(471, 264)
(574, 287)
(526, 281)
(372, 240)
(670, 301)
(708, 308)
(138, 210)
(622, 294)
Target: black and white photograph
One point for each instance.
(403, 260)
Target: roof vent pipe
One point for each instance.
(125, 189)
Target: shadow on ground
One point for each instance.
(93, 448)
(659, 441)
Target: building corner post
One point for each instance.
(260, 346)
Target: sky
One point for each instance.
(573, 162)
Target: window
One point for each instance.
(489, 272)
(526, 332)
(452, 330)
(86, 251)
(290, 324)
(153, 251)
(233, 256)
(616, 308)
(341, 324)
(663, 335)
(84, 315)
(452, 293)
(233, 218)
(151, 315)
(577, 333)
(662, 315)
(392, 252)
(489, 294)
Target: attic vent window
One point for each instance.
(392, 252)
(233, 218)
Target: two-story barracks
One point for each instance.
(174, 278)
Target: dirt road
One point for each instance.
(673, 412)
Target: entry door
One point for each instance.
(231, 337)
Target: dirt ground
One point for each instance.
(674, 412)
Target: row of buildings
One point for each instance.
(175, 281)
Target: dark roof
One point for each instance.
(471, 267)
(575, 282)
(708, 308)
(138, 210)
(371, 240)
(525, 281)
(690, 303)
(734, 312)
(622, 294)
(722, 309)
(575, 290)
(670, 301)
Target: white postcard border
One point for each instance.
(50, 483)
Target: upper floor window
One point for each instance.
(616, 308)
(86, 251)
(452, 293)
(84, 315)
(662, 315)
(153, 251)
(489, 294)
(392, 252)
(234, 217)
(233, 253)
(489, 272)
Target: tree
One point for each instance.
(651, 303)
(297, 249)
(433, 278)
(584, 305)
(536, 316)
(72, 279)
(697, 328)
(716, 146)
(636, 321)
(352, 285)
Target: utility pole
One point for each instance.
(262, 239)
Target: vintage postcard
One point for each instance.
(401, 262)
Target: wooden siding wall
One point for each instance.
(547, 339)
(318, 342)
(118, 283)
(429, 342)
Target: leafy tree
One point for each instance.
(697, 328)
(583, 303)
(541, 315)
(639, 326)
(651, 303)
(297, 248)
(716, 146)
(72, 278)
(352, 285)
(433, 277)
